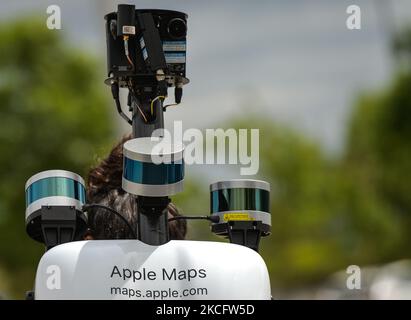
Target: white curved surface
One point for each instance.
(111, 269)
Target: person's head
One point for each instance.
(104, 187)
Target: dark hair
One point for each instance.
(104, 187)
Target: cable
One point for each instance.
(115, 93)
(170, 105)
(96, 205)
(214, 219)
(129, 60)
(130, 87)
(122, 114)
(178, 93)
(125, 38)
(142, 113)
(152, 103)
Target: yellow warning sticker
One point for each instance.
(237, 216)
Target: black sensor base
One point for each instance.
(54, 225)
(245, 233)
(153, 220)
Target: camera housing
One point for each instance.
(156, 41)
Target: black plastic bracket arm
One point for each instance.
(245, 233)
(58, 224)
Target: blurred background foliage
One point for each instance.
(327, 212)
(54, 114)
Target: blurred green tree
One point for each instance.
(379, 152)
(378, 147)
(54, 114)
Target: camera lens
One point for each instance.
(177, 28)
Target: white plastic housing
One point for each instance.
(130, 269)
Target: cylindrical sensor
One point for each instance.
(53, 188)
(152, 167)
(240, 200)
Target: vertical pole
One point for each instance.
(152, 211)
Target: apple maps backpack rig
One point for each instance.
(146, 54)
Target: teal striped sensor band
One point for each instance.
(152, 167)
(54, 188)
(153, 174)
(240, 200)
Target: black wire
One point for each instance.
(120, 111)
(136, 101)
(170, 105)
(214, 219)
(115, 91)
(118, 214)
